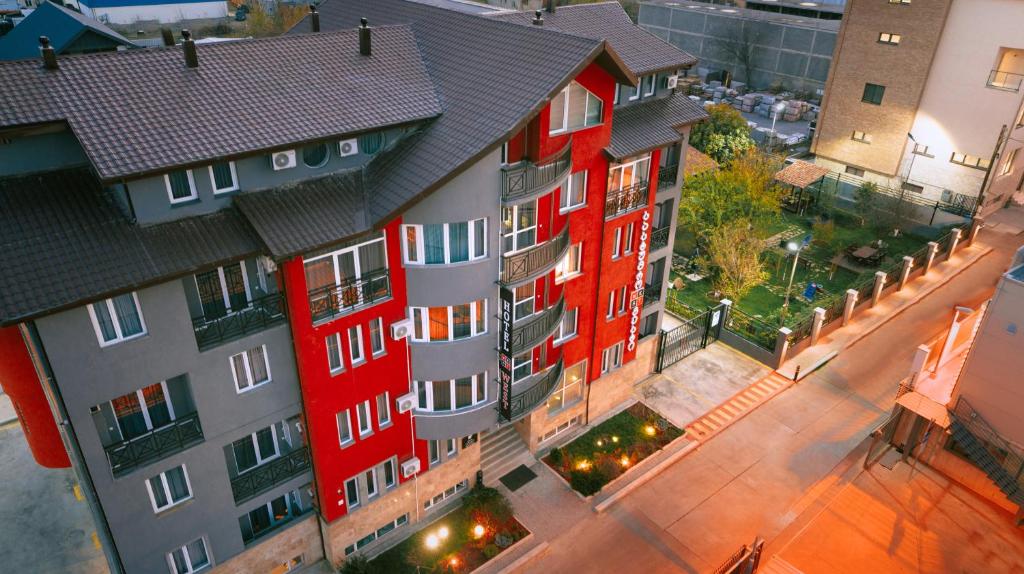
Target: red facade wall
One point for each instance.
(324, 395)
(20, 381)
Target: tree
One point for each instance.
(273, 19)
(741, 49)
(632, 7)
(724, 135)
(733, 259)
(864, 200)
(746, 189)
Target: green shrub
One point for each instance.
(490, 551)
(556, 456)
(355, 564)
(586, 482)
(489, 502)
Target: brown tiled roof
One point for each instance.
(143, 111)
(64, 241)
(642, 51)
(697, 162)
(801, 174)
(639, 128)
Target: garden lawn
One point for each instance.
(611, 448)
(461, 545)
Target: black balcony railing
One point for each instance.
(539, 327)
(332, 300)
(667, 176)
(659, 238)
(261, 313)
(534, 261)
(523, 179)
(1008, 81)
(537, 393)
(127, 455)
(626, 199)
(266, 476)
(652, 294)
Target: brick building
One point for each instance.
(261, 284)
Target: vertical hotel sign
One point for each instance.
(636, 300)
(505, 353)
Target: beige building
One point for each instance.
(919, 94)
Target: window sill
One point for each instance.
(184, 202)
(358, 363)
(568, 210)
(172, 508)
(567, 278)
(225, 192)
(366, 435)
(347, 443)
(252, 388)
(115, 342)
(337, 372)
(385, 426)
(562, 341)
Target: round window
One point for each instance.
(371, 143)
(315, 155)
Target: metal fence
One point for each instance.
(801, 330)
(752, 329)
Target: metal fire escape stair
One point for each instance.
(966, 425)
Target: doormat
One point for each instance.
(519, 476)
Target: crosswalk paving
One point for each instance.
(712, 422)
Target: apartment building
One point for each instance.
(268, 342)
(919, 95)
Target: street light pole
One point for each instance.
(789, 287)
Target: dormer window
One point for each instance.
(223, 177)
(648, 84)
(573, 108)
(181, 186)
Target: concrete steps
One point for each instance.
(500, 452)
(737, 406)
(778, 566)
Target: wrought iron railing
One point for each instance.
(626, 199)
(1008, 81)
(262, 313)
(865, 290)
(659, 238)
(127, 455)
(526, 178)
(332, 300)
(529, 333)
(537, 393)
(752, 329)
(652, 294)
(266, 476)
(801, 330)
(835, 309)
(1005, 463)
(534, 261)
(667, 176)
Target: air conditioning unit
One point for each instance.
(406, 403)
(410, 467)
(401, 329)
(348, 147)
(283, 160)
(673, 81)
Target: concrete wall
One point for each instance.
(43, 149)
(163, 13)
(796, 54)
(88, 375)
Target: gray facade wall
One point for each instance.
(88, 375)
(798, 56)
(473, 194)
(47, 150)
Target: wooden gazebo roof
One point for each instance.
(801, 174)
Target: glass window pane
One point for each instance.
(438, 323)
(129, 416)
(481, 316)
(279, 508)
(421, 394)
(222, 178)
(127, 315)
(352, 492)
(265, 440)
(594, 110)
(176, 483)
(156, 405)
(245, 454)
(442, 395)
(376, 337)
(104, 320)
(481, 387)
(433, 243)
(211, 297)
(412, 252)
(333, 353)
(197, 553)
(260, 520)
(479, 238)
(344, 428)
(319, 273)
(157, 487)
(180, 187)
(463, 392)
(461, 321)
(234, 282)
(241, 378)
(458, 241)
(371, 257)
(389, 473)
(258, 365)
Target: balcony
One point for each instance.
(1007, 81)
(652, 294)
(332, 300)
(659, 238)
(530, 333)
(127, 455)
(265, 477)
(534, 262)
(539, 388)
(262, 313)
(626, 199)
(667, 176)
(525, 180)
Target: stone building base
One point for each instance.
(407, 498)
(299, 539)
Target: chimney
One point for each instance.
(314, 18)
(168, 36)
(49, 56)
(191, 58)
(364, 37)
(551, 6)
(538, 20)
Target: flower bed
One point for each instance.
(481, 528)
(611, 448)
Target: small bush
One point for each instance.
(556, 456)
(504, 539)
(355, 564)
(490, 551)
(484, 501)
(609, 466)
(586, 482)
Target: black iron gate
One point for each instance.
(690, 337)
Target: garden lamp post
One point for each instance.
(794, 248)
(776, 110)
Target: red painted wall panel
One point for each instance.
(20, 381)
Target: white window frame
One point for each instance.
(360, 420)
(451, 447)
(370, 477)
(348, 427)
(434, 451)
(611, 358)
(532, 299)
(379, 323)
(611, 304)
(246, 362)
(517, 231)
(616, 97)
(617, 244)
(560, 336)
(225, 296)
(234, 179)
(654, 84)
(615, 172)
(356, 345)
(390, 463)
(516, 363)
(428, 387)
(622, 300)
(383, 414)
(636, 90)
(341, 354)
(184, 551)
(503, 154)
(566, 197)
(627, 246)
(256, 449)
(191, 185)
(167, 490)
(357, 265)
(419, 258)
(571, 265)
(119, 337)
(563, 387)
(421, 320)
(144, 409)
(564, 125)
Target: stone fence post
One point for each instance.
(782, 345)
(876, 292)
(953, 243)
(851, 300)
(933, 248)
(816, 324)
(976, 226)
(908, 264)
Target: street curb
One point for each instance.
(645, 477)
(519, 562)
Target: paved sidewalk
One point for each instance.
(7, 414)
